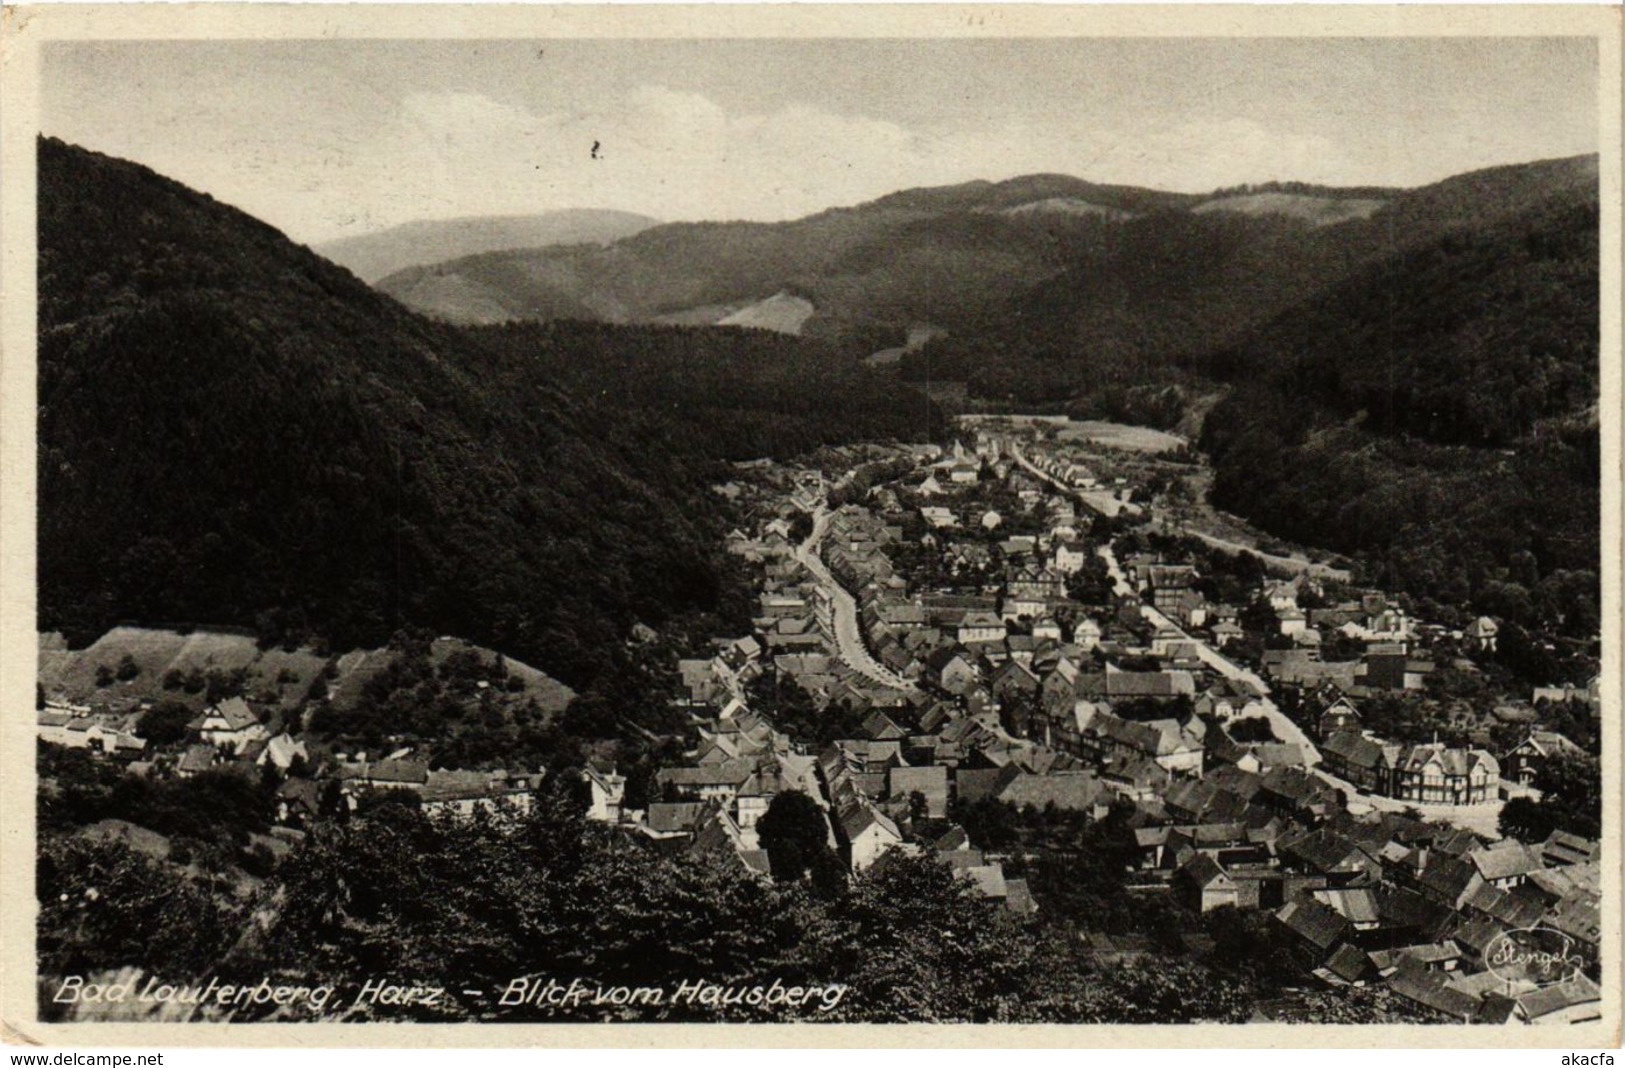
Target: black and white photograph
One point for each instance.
(597, 518)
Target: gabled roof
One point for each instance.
(1559, 996)
(1429, 989)
(728, 773)
(197, 758)
(1354, 748)
(1314, 922)
(1580, 917)
(1357, 905)
(856, 818)
(1077, 791)
(1206, 873)
(1326, 851)
(398, 771)
(1448, 877)
(1398, 907)
(1348, 964)
(1563, 848)
(1149, 683)
(234, 711)
(1505, 859)
(674, 816)
(929, 780)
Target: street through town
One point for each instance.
(845, 622)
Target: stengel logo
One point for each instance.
(1539, 955)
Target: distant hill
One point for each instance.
(947, 254)
(233, 430)
(1155, 296)
(375, 255)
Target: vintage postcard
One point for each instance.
(811, 525)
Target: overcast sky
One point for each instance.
(329, 138)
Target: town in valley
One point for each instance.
(953, 648)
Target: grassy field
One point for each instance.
(1119, 436)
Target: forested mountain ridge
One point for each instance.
(234, 431)
(1435, 414)
(1156, 296)
(949, 254)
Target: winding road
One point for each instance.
(848, 630)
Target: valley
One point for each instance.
(702, 568)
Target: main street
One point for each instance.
(1280, 725)
(846, 624)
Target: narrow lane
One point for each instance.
(848, 631)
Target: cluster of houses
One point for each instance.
(1024, 695)
(1019, 692)
(232, 735)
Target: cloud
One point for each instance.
(678, 155)
(1206, 154)
(664, 152)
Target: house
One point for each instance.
(1431, 990)
(231, 724)
(865, 833)
(197, 758)
(1340, 715)
(1347, 965)
(672, 819)
(1069, 791)
(1068, 556)
(882, 728)
(463, 793)
(1357, 905)
(1202, 885)
(396, 773)
(607, 790)
(951, 670)
(1436, 773)
(1506, 864)
(298, 801)
(1562, 849)
(1359, 760)
(1168, 584)
(1158, 684)
(1263, 756)
(280, 752)
(1318, 927)
(1395, 671)
(1226, 631)
(1227, 699)
(1576, 1000)
(980, 627)
(1481, 634)
(1281, 596)
(1014, 681)
(930, 782)
(1526, 760)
